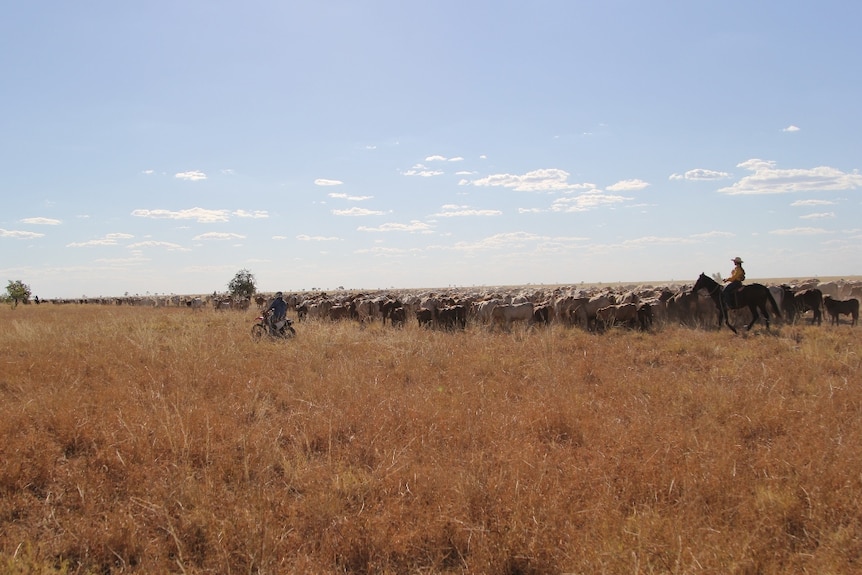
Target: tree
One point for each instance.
(18, 291)
(242, 284)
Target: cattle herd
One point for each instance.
(596, 308)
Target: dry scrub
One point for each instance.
(166, 440)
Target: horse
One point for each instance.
(753, 296)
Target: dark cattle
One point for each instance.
(803, 301)
(425, 317)
(542, 314)
(397, 316)
(302, 311)
(388, 306)
(645, 315)
(452, 317)
(836, 308)
(338, 312)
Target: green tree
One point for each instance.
(242, 284)
(18, 291)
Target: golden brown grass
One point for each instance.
(164, 440)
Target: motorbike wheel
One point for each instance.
(258, 331)
(289, 331)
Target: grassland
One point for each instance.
(167, 441)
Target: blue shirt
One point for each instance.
(279, 308)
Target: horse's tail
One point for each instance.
(773, 303)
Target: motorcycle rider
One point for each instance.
(278, 307)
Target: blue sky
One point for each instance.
(161, 147)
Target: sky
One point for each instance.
(161, 147)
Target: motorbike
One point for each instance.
(263, 328)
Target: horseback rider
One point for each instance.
(278, 307)
(734, 282)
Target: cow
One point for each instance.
(836, 308)
(452, 317)
(802, 301)
(618, 314)
(397, 315)
(425, 317)
(506, 314)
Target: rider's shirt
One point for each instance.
(737, 275)
(279, 308)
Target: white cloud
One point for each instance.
(41, 221)
(543, 180)
(155, 244)
(256, 214)
(435, 159)
(357, 212)
(17, 234)
(767, 179)
(349, 198)
(108, 240)
(306, 238)
(790, 128)
(422, 172)
(713, 234)
(413, 226)
(799, 232)
(586, 202)
(508, 240)
(325, 182)
(219, 236)
(628, 186)
(200, 214)
(810, 203)
(818, 216)
(700, 174)
(452, 211)
(192, 176)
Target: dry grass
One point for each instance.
(163, 440)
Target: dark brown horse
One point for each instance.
(752, 296)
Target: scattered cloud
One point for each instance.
(41, 221)
(155, 244)
(422, 171)
(199, 214)
(219, 236)
(444, 159)
(544, 180)
(307, 238)
(453, 211)
(18, 234)
(349, 198)
(799, 232)
(713, 234)
(109, 240)
(818, 216)
(790, 128)
(767, 179)
(586, 202)
(358, 212)
(810, 203)
(700, 174)
(256, 214)
(193, 176)
(413, 227)
(628, 186)
(325, 182)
